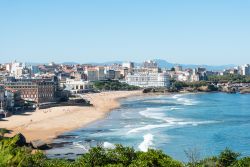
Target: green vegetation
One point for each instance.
(193, 86)
(126, 156)
(179, 84)
(13, 156)
(229, 78)
(113, 85)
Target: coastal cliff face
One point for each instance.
(244, 90)
(227, 89)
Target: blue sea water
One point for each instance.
(204, 123)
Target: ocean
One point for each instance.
(202, 123)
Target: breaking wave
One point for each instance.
(79, 145)
(175, 99)
(147, 142)
(184, 101)
(108, 145)
(166, 121)
(147, 127)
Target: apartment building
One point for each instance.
(95, 73)
(148, 79)
(149, 64)
(245, 69)
(37, 90)
(2, 97)
(112, 74)
(129, 65)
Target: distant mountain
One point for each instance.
(94, 63)
(164, 64)
(70, 63)
(161, 63)
(106, 63)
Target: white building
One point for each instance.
(194, 78)
(149, 64)
(183, 76)
(245, 69)
(77, 86)
(148, 79)
(129, 65)
(8, 67)
(17, 69)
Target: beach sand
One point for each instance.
(46, 124)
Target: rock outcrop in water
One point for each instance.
(39, 144)
(36, 144)
(245, 90)
(21, 140)
(155, 90)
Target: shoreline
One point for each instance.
(47, 124)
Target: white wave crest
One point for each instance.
(108, 145)
(166, 121)
(178, 96)
(187, 102)
(79, 145)
(175, 108)
(128, 126)
(149, 113)
(147, 142)
(147, 127)
(196, 123)
(157, 101)
(170, 124)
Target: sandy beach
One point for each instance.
(46, 124)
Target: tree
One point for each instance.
(113, 85)
(193, 156)
(244, 162)
(227, 157)
(154, 158)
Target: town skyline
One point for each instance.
(73, 62)
(161, 63)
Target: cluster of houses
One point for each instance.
(241, 70)
(21, 83)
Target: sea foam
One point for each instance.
(147, 127)
(79, 145)
(108, 145)
(180, 98)
(147, 142)
(165, 121)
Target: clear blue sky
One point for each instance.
(179, 31)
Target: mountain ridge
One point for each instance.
(161, 63)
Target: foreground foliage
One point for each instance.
(11, 156)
